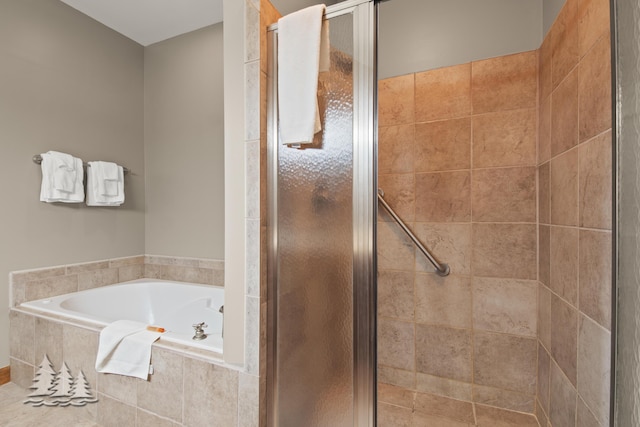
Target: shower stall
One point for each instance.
(322, 210)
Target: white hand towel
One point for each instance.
(125, 349)
(99, 189)
(299, 47)
(62, 178)
(108, 185)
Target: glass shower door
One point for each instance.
(322, 218)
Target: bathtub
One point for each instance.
(174, 306)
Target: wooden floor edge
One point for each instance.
(5, 375)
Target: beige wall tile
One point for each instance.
(444, 93)
(187, 274)
(544, 315)
(48, 340)
(396, 294)
(564, 42)
(443, 300)
(505, 82)
(505, 138)
(505, 305)
(564, 115)
(593, 23)
(395, 395)
(443, 352)
(594, 84)
(88, 266)
(248, 400)
(563, 249)
(22, 337)
(595, 182)
(393, 416)
(396, 100)
(119, 387)
(494, 417)
(444, 387)
(50, 287)
(395, 250)
(562, 406)
(97, 278)
(126, 261)
(544, 236)
(422, 419)
(443, 145)
(146, 419)
(33, 275)
(564, 346)
(505, 250)
(505, 399)
(544, 367)
(440, 406)
(210, 395)
(396, 344)
(586, 417)
(399, 377)
(541, 416)
(544, 69)
(22, 373)
(79, 349)
(564, 189)
(505, 361)
(594, 368)
(399, 193)
(504, 195)
(113, 413)
(544, 198)
(544, 130)
(443, 197)
(162, 393)
(396, 149)
(449, 243)
(130, 272)
(595, 276)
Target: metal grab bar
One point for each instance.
(441, 268)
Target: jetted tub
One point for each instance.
(174, 306)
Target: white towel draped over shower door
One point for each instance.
(303, 51)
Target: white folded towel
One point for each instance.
(105, 184)
(301, 39)
(62, 178)
(125, 349)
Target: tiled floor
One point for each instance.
(14, 413)
(399, 407)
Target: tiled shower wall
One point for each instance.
(574, 166)
(457, 161)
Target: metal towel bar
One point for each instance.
(37, 159)
(441, 269)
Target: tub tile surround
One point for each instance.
(529, 240)
(174, 394)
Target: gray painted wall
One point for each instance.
(421, 35)
(184, 145)
(70, 84)
(550, 9)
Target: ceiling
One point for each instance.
(151, 21)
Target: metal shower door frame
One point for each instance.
(364, 211)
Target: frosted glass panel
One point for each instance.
(315, 257)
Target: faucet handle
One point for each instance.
(199, 331)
